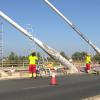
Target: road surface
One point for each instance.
(75, 87)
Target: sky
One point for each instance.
(47, 26)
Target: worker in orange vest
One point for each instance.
(32, 64)
(88, 62)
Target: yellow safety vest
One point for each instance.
(32, 59)
(88, 59)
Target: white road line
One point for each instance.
(42, 86)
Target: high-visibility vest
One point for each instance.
(32, 59)
(88, 59)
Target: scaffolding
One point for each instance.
(1, 43)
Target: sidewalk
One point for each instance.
(15, 75)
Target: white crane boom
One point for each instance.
(72, 26)
(50, 51)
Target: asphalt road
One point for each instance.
(75, 87)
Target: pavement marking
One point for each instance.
(42, 86)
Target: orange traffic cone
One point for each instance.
(53, 79)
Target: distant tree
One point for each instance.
(23, 58)
(79, 56)
(13, 58)
(96, 58)
(83, 55)
(76, 56)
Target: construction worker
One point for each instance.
(32, 64)
(88, 62)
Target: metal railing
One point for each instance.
(14, 64)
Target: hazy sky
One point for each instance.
(49, 27)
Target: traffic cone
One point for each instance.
(53, 80)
